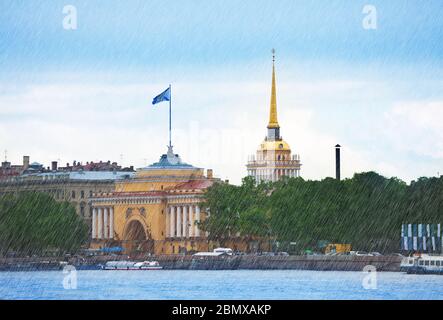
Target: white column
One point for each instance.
(191, 221)
(171, 222)
(94, 223)
(111, 223)
(100, 223)
(197, 218)
(167, 213)
(105, 222)
(178, 224)
(185, 221)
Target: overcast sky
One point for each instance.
(86, 94)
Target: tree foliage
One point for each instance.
(32, 222)
(366, 211)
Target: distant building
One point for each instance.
(422, 238)
(8, 170)
(75, 184)
(93, 166)
(157, 210)
(273, 159)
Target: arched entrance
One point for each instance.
(136, 240)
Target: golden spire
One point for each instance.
(273, 122)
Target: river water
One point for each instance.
(226, 284)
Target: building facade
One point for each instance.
(71, 183)
(8, 170)
(158, 210)
(273, 159)
(421, 238)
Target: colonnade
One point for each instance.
(272, 174)
(103, 223)
(180, 221)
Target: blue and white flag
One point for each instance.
(164, 96)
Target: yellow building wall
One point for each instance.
(155, 224)
(159, 179)
(154, 220)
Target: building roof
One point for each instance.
(116, 194)
(170, 160)
(82, 175)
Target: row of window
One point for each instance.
(82, 194)
(59, 194)
(437, 263)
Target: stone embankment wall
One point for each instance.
(170, 262)
(321, 263)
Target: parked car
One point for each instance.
(360, 254)
(375, 254)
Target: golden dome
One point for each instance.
(275, 145)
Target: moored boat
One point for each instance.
(132, 265)
(422, 264)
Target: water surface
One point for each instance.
(226, 284)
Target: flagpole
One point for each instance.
(170, 98)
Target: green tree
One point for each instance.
(366, 211)
(31, 222)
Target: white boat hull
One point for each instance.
(130, 265)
